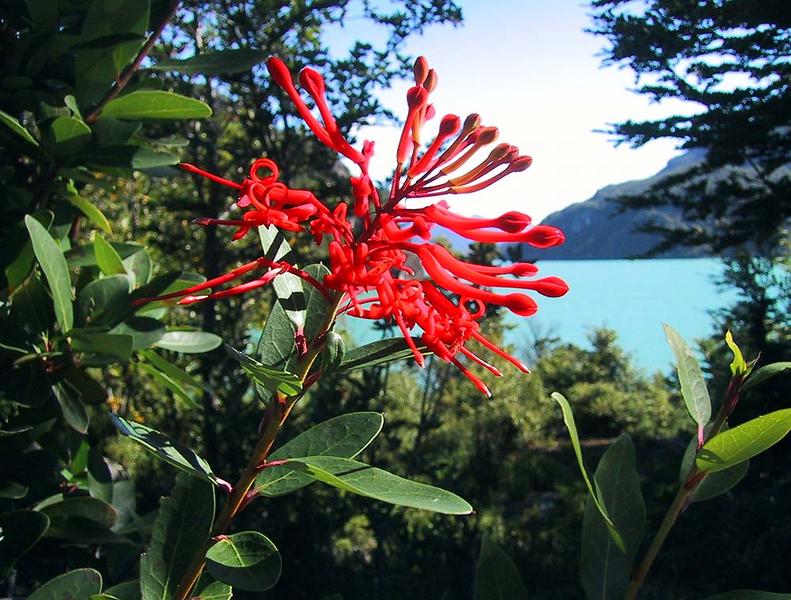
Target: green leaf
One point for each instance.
(155, 104)
(20, 530)
(100, 480)
(188, 341)
(67, 135)
(85, 256)
(496, 575)
(215, 591)
(334, 351)
(12, 490)
(18, 254)
(690, 376)
(169, 383)
(128, 590)
(107, 259)
(316, 305)
(17, 128)
(750, 595)
(344, 436)
(74, 411)
(738, 364)
(568, 419)
(605, 569)
(94, 215)
(221, 62)
(68, 518)
(272, 379)
(378, 353)
(749, 439)
(170, 451)
(104, 301)
(138, 267)
(103, 343)
(714, 484)
(288, 287)
(175, 372)
(145, 331)
(182, 525)
(55, 269)
(364, 480)
(74, 585)
(767, 371)
(248, 561)
(146, 158)
(108, 22)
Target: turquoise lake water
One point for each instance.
(633, 297)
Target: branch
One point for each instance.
(131, 69)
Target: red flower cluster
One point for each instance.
(372, 250)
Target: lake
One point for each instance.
(632, 297)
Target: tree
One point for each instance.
(729, 61)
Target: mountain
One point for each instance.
(595, 230)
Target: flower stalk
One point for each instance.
(275, 417)
(685, 494)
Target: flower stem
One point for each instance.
(274, 418)
(684, 495)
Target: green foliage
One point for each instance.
(81, 583)
(364, 480)
(345, 436)
(605, 569)
(496, 575)
(247, 561)
(593, 496)
(741, 443)
(182, 525)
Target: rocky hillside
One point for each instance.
(595, 230)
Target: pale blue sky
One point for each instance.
(528, 68)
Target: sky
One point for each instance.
(527, 67)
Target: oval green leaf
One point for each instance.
(16, 127)
(214, 63)
(168, 450)
(764, 373)
(107, 259)
(713, 484)
(605, 569)
(741, 443)
(155, 104)
(68, 135)
(690, 376)
(55, 269)
(248, 561)
(496, 575)
(189, 342)
(80, 583)
(216, 590)
(182, 525)
(364, 480)
(344, 436)
(22, 529)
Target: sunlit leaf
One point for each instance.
(55, 269)
(247, 560)
(154, 104)
(233, 60)
(568, 419)
(364, 480)
(80, 583)
(379, 352)
(344, 436)
(690, 376)
(741, 443)
(189, 341)
(164, 448)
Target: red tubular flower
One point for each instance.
(375, 247)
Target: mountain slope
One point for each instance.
(595, 230)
